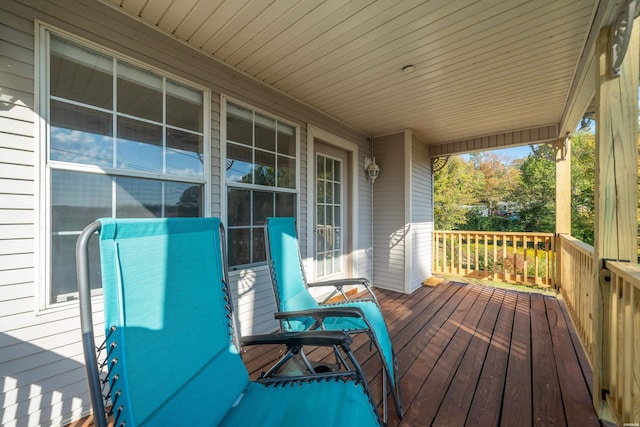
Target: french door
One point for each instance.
(330, 213)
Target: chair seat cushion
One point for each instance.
(320, 403)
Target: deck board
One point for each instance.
(477, 356)
(472, 356)
(517, 405)
(547, 400)
(473, 379)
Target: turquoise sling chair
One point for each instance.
(299, 310)
(171, 355)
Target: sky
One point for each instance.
(524, 150)
(512, 153)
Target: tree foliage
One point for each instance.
(536, 192)
(490, 182)
(455, 190)
(583, 176)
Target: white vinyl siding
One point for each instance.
(403, 214)
(421, 213)
(389, 224)
(41, 363)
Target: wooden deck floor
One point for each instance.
(477, 356)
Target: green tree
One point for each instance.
(536, 192)
(455, 189)
(583, 167)
(500, 179)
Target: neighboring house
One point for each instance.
(101, 115)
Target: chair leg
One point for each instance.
(284, 359)
(396, 393)
(384, 398)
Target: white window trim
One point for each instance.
(224, 100)
(42, 217)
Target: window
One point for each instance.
(260, 177)
(122, 141)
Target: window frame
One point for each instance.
(224, 101)
(44, 166)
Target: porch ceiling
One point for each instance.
(481, 67)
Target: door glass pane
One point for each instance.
(320, 192)
(320, 167)
(328, 170)
(320, 239)
(328, 197)
(320, 265)
(328, 220)
(320, 211)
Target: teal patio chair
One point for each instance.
(300, 311)
(171, 349)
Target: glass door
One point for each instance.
(329, 216)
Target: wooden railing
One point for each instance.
(615, 287)
(575, 280)
(622, 341)
(525, 258)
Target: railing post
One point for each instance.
(616, 199)
(559, 267)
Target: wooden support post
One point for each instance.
(615, 190)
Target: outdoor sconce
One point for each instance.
(373, 170)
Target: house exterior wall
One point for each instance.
(402, 212)
(41, 366)
(390, 223)
(421, 212)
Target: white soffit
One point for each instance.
(481, 67)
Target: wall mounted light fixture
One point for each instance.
(373, 170)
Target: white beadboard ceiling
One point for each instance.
(481, 66)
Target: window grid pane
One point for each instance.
(261, 159)
(158, 130)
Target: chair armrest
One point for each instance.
(340, 282)
(321, 313)
(292, 339)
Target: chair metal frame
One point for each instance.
(330, 310)
(97, 356)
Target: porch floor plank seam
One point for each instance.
(476, 356)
